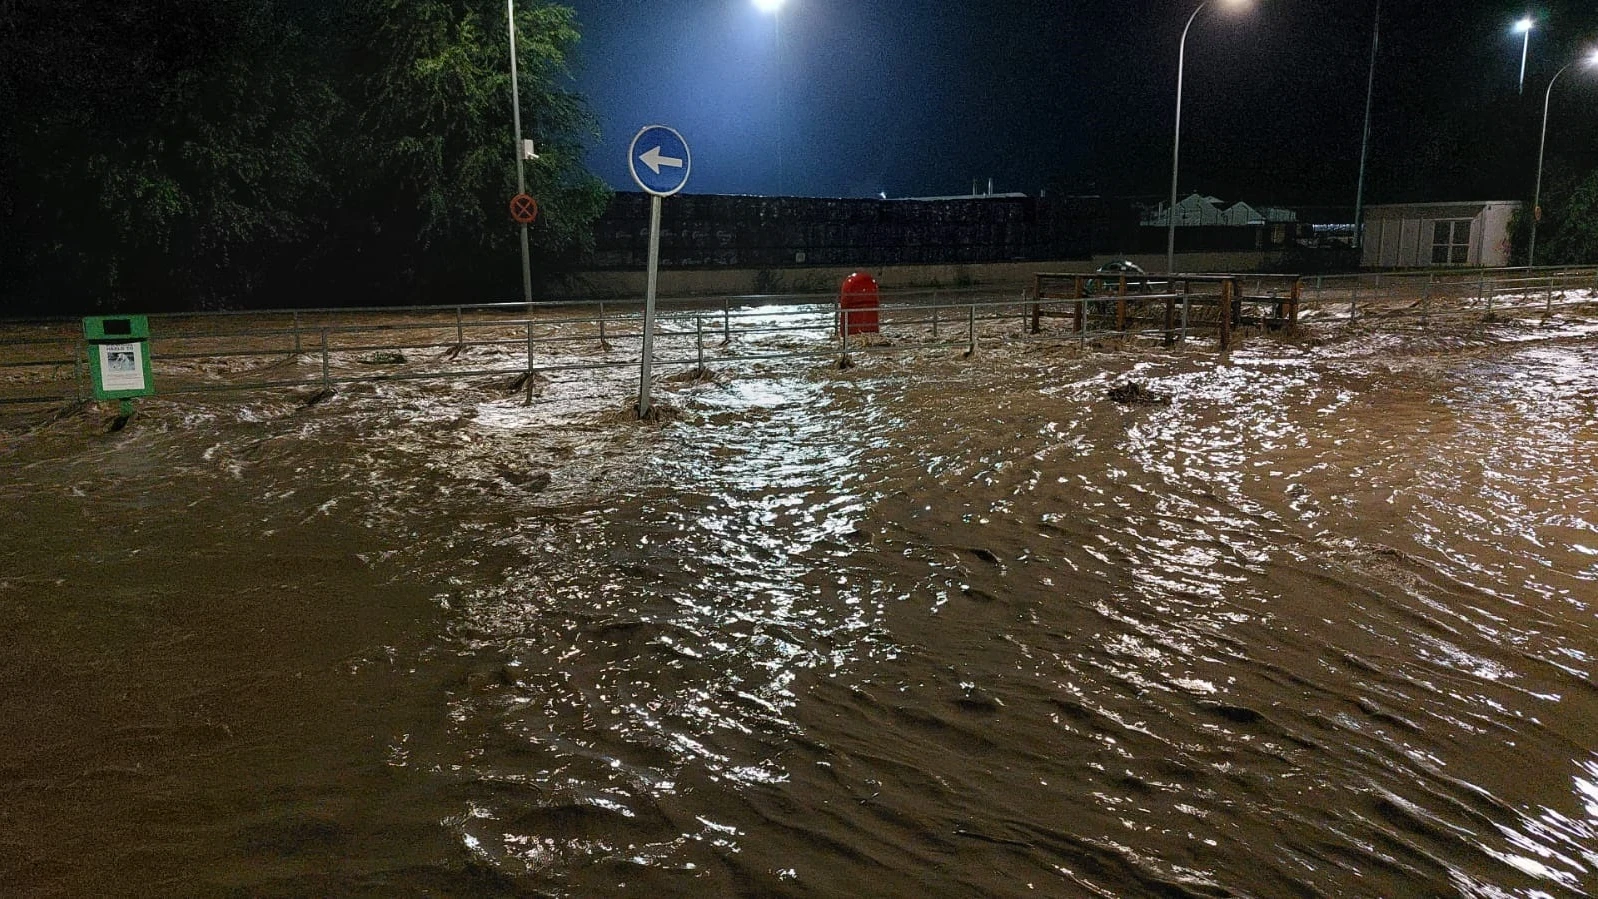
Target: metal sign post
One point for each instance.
(521, 153)
(660, 163)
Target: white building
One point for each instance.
(1423, 235)
(1195, 210)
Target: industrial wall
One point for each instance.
(719, 231)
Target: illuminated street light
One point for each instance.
(768, 5)
(1524, 26)
(1176, 146)
(1537, 196)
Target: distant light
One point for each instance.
(768, 5)
(1238, 4)
(1592, 58)
(1525, 25)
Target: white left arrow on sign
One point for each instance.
(654, 160)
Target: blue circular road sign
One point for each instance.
(659, 160)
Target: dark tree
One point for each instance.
(187, 153)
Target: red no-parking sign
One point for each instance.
(523, 209)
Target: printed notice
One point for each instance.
(120, 368)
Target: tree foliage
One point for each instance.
(190, 153)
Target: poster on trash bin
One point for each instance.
(120, 368)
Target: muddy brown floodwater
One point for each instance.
(1323, 624)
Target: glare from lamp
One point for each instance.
(1525, 25)
(768, 5)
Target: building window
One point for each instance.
(1451, 242)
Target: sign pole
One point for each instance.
(660, 163)
(521, 175)
(649, 306)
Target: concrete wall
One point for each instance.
(1009, 275)
(1494, 226)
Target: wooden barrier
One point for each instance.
(1222, 300)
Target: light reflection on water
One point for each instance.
(1186, 594)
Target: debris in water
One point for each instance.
(695, 376)
(1136, 394)
(659, 413)
(536, 480)
(317, 397)
(385, 357)
(521, 381)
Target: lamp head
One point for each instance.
(1592, 58)
(768, 5)
(1237, 5)
(1525, 25)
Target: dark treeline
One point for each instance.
(177, 154)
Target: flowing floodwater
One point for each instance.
(1324, 624)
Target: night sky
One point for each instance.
(919, 98)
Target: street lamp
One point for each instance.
(1537, 195)
(774, 7)
(1365, 142)
(1524, 26)
(1176, 144)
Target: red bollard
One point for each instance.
(857, 305)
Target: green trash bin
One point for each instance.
(119, 356)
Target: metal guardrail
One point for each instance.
(43, 362)
(326, 348)
(1432, 292)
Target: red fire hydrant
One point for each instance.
(857, 305)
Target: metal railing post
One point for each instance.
(77, 373)
(726, 321)
(699, 340)
(460, 330)
(971, 330)
(1026, 323)
(327, 382)
(296, 334)
(528, 400)
(1548, 303)
(1426, 300)
(935, 311)
(843, 335)
(1187, 307)
(602, 341)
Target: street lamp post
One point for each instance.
(1537, 194)
(1525, 26)
(1365, 143)
(775, 8)
(1176, 144)
(521, 173)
